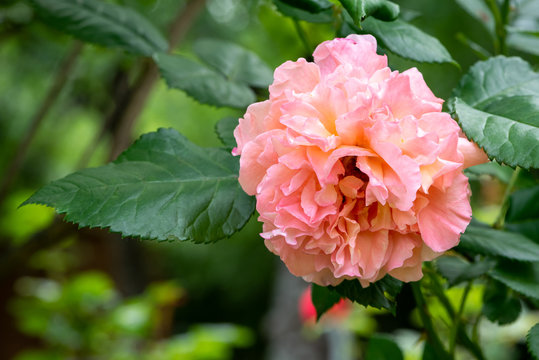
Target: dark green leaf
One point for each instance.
(163, 187)
(523, 213)
(299, 14)
(380, 294)
(355, 8)
(225, 131)
(533, 341)
(456, 269)
(202, 83)
(488, 241)
(499, 304)
(102, 23)
(234, 62)
(407, 41)
(429, 352)
(520, 276)
(323, 299)
(383, 348)
(507, 129)
(312, 6)
(382, 9)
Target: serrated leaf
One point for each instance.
(312, 6)
(225, 131)
(488, 241)
(234, 62)
(383, 348)
(407, 41)
(522, 277)
(102, 23)
(163, 187)
(508, 128)
(499, 304)
(325, 16)
(374, 295)
(456, 269)
(323, 299)
(523, 213)
(532, 339)
(202, 83)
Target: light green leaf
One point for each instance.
(312, 6)
(383, 348)
(323, 299)
(407, 41)
(488, 241)
(234, 62)
(511, 137)
(202, 83)
(522, 277)
(163, 187)
(499, 304)
(380, 295)
(324, 16)
(102, 23)
(225, 131)
(533, 341)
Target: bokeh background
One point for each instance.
(79, 293)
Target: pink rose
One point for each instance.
(356, 171)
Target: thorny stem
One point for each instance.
(500, 219)
(61, 78)
(432, 337)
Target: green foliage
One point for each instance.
(520, 276)
(103, 23)
(457, 270)
(523, 213)
(323, 299)
(533, 341)
(407, 41)
(380, 295)
(312, 6)
(203, 83)
(163, 187)
(234, 62)
(496, 106)
(324, 16)
(488, 241)
(383, 348)
(499, 304)
(225, 131)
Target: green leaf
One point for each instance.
(102, 23)
(355, 8)
(312, 6)
(163, 187)
(234, 62)
(407, 41)
(533, 341)
(325, 16)
(479, 10)
(225, 131)
(202, 83)
(503, 173)
(488, 241)
(523, 213)
(508, 129)
(380, 294)
(456, 269)
(382, 9)
(381, 347)
(499, 304)
(323, 299)
(520, 276)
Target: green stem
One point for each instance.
(501, 34)
(303, 37)
(432, 337)
(457, 322)
(500, 219)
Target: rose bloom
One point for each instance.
(356, 171)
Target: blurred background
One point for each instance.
(79, 293)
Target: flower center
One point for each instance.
(350, 169)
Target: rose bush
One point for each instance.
(356, 171)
